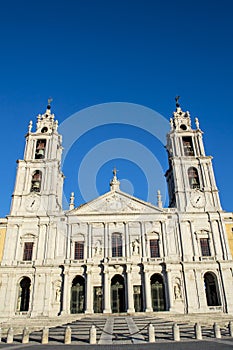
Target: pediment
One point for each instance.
(116, 202)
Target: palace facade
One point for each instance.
(116, 253)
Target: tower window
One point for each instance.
(36, 181)
(183, 127)
(205, 248)
(188, 146)
(40, 149)
(154, 248)
(193, 178)
(79, 251)
(116, 245)
(27, 251)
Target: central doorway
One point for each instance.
(118, 294)
(24, 294)
(157, 293)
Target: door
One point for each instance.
(137, 296)
(118, 294)
(77, 295)
(98, 300)
(157, 293)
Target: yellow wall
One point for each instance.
(229, 229)
(2, 236)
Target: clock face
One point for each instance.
(33, 203)
(198, 199)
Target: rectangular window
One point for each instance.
(116, 245)
(27, 252)
(205, 248)
(154, 248)
(78, 251)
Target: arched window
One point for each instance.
(24, 294)
(36, 181)
(116, 245)
(157, 293)
(193, 178)
(77, 302)
(211, 289)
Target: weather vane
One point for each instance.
(49, 101)
(114, 171)
(177, 101)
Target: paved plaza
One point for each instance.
(127, 332)
(182, 345)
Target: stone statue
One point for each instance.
(197, 123)
(135, 246)
(30, 126)
(177, 291)
(97, 248)
(57, 294)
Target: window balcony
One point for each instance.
(207, 258)
(155, 260)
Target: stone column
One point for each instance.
(127, 243)
(130, 289)
(143, 240)
(164, 238)
(89, 292)
(147, 291)
(107, 304)
(68, 243)
(65, 296)
(89, 241)
(47, 294)
(169, 294)
(194, 242)
(105, 240)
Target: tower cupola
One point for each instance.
(181, 121)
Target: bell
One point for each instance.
(36, 184)
(40, 152)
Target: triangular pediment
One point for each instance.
(116, 202)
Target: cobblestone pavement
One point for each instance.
(212, 344)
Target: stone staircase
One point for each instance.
(118, 329)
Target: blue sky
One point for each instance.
(85, 52)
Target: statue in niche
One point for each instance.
(97, 249)
(177, 290)
(135, 246)
(57, 293)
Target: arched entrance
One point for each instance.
(118, 294)
(157, 293)
(24, 294)
(77, 302)
(211, 289)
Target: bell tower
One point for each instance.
(190, 177)
(39, 180)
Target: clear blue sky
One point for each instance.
(85, 52)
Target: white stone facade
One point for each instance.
(116, 253)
